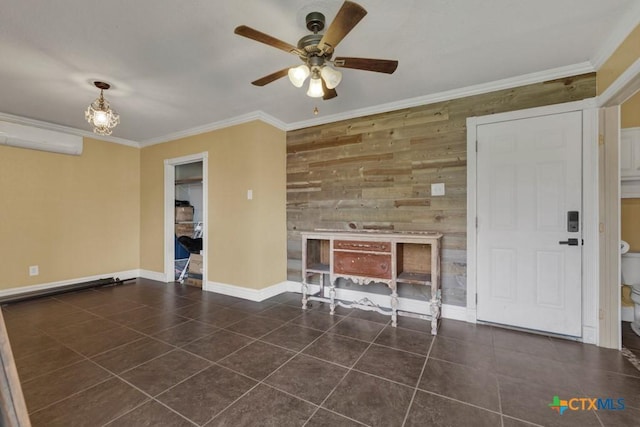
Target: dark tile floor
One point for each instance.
(630, 340)
(151, 354)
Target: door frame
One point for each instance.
(590, 216)
(169, 212)
(610, 307)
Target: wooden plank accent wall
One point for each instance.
(375, 172)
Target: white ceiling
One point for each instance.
(176, 66)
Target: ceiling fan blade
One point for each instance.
(271, 77)
(378, 65)
(328, 93)
(347, 17)
(258, 36)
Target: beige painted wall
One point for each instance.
(631, 223)
(73, 216)
(247, 238)
(630, 112)
(625, 55)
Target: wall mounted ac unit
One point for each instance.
(34, 138)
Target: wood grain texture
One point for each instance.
(14, 408)
(375, 172)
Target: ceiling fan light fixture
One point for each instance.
(315, 87)
(331, 77)
(316, 52)
(100, 114)
(297, 75)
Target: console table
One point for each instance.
(364, 258)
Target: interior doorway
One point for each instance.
(610, 101)
(185, 231)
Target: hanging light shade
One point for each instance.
(298, 75)
(100, 114)
(315, 87)
(331, 76)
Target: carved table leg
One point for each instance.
(394, 307)
(305, 290)
(435, 314)
(332, 295)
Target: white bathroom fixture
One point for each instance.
(631, 276)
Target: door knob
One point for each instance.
(570, 242)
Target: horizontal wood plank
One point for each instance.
(375, 172)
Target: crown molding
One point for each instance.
(531, 78)
(238, 120)
(624, 87)
(628, 23)
(65, 129)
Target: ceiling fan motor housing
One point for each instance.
(315, 21)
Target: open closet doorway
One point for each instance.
(185, 231)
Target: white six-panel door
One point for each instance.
(529, 176)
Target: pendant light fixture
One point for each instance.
(315, 85)
(297, 75)
(100, 114)
(319, 73)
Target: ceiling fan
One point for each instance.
(315, 50)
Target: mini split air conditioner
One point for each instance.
(39, 139)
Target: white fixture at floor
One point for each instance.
(631, 276)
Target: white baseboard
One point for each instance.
(152, 275)
(626, 314)
(589, 335)
(246, 293)
(454, 312)
(122, 275)
(472, 315)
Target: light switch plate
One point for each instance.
(34, 270)
(249, 194)
(437, 189)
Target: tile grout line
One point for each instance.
(218, 329)
(71, 395)
(521, 420)
(253, 340)
(84, 358)
(151, 398)
(345, 374)
(147, 402)
(500, 403)
(207, 360)
(261, 382)
(495, 374)
(113, 374)
(415, 389)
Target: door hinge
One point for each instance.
(600, 139)
(476, 300)
(476, 145)
(476, 222)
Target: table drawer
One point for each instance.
(362, 264)
(364, 246)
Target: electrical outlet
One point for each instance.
(437, 189)
(249, 194)
(34, 270)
